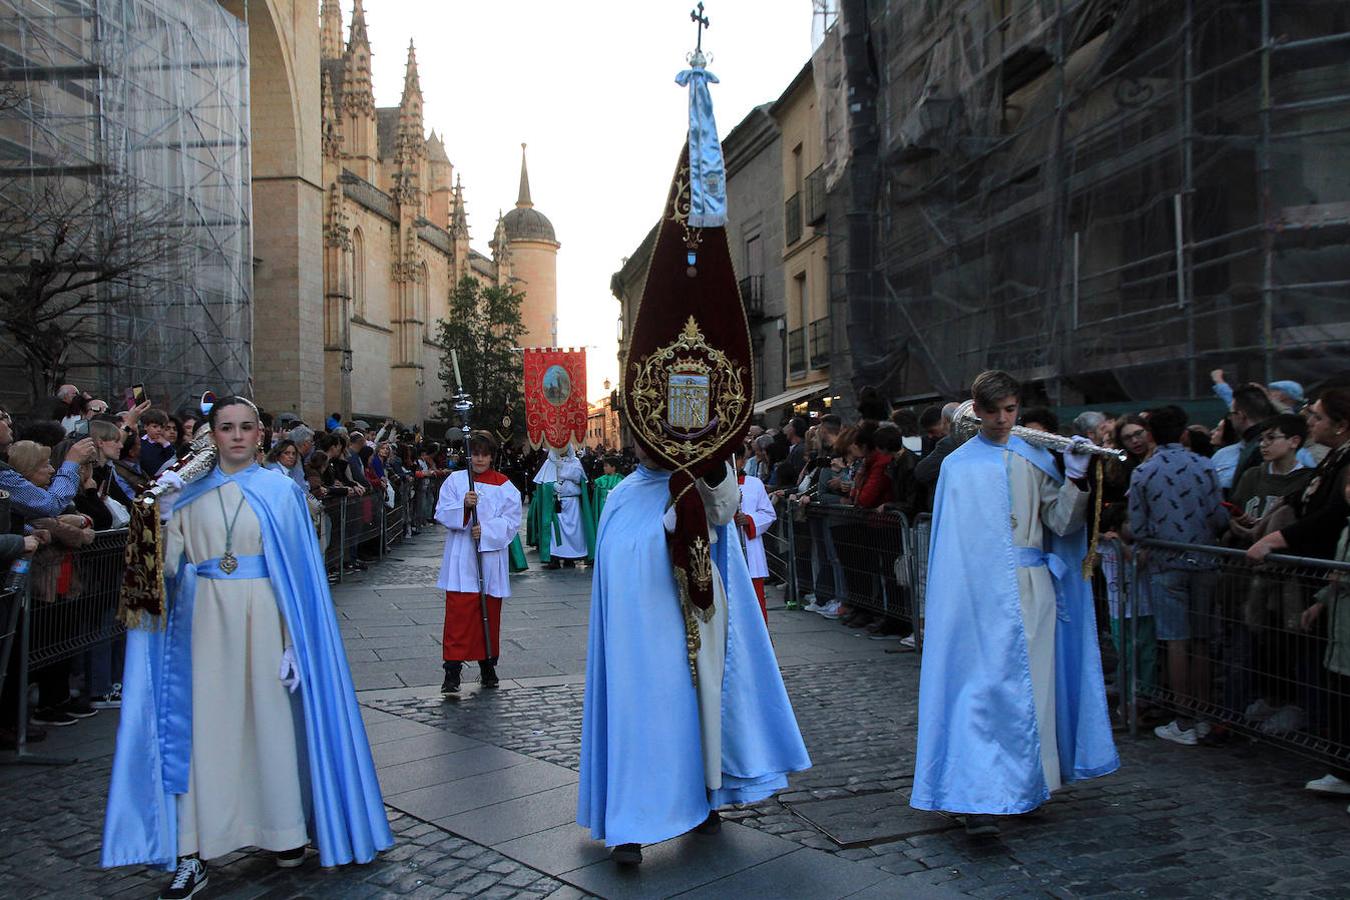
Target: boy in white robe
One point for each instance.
(756, 516)
(483, 518)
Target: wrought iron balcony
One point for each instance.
(797, 352)
(815, 197)
(820, 344)
(792, 219)
(752, 295)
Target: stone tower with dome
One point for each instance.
(534, 265)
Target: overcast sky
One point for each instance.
(590, 87)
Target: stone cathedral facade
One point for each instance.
(396, 239)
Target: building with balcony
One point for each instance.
(804, 251)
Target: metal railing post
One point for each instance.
(790, 527)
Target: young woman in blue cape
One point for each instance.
(1011, 699)
(659, 753)
(239, 723)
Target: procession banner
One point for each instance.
(555, 397)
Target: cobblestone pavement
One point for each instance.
(50, 827)
(1174, 822)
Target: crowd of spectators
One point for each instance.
(1228, 632)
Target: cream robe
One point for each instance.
(1038, 503)
(244, 787)
(720, 503)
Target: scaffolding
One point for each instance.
(1108, 198)
(142, 104)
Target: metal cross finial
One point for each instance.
(697, 16)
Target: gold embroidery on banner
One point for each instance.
(700, 564)
(687, 382)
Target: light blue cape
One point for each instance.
(347, 820)
(642, 777)
(979, 746)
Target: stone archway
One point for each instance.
(288, 325)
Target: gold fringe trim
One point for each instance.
(693, 640)
(1090, 560)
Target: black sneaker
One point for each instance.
(982, 826)
(488, 675)
(710, 825)
(52, 716)
(627, 854)
(451, 683)
(79, 707)
(289, 859)
(188, 879)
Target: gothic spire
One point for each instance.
(330, 30)
(411, 84)
(459, 220)
(358, 37)
(524, 201)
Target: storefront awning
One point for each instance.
(792, 396)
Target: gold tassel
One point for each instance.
(1090, 560)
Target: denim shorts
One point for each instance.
(1183, 604)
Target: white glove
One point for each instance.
(169, 498)
(290, 670)
(668, 520)
(1076, 460)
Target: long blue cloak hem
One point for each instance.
(642, 775)
(347, 820)
(978, 745)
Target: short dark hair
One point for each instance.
(799, 425)
(1291, 425)
(1042, 414)
(327, 441)
(831, 421)
(992, 386)
(888, 438)
(1166, 423)
(931, 416)
(1336, 403)
(906, 421)
(482, 439)
(1253, 402)
(155, 416)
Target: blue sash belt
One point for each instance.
(175, 723)
(1034, 557)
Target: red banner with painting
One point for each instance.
(555, 397)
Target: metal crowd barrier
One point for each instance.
(368, 521)
(1257, 662)
(70, 604)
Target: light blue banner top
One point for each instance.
(707, 171)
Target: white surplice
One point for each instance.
(568, 477)
(499, 518)
(756, 504)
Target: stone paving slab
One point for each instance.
(863, 819)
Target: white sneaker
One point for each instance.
(807, 599)
(1202, 730)
(814, 606)
(1289, 718)
(831, 610)
(1329, 784)
(907, 641)
(1261, 710)
(1176, 734)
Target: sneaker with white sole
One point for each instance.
(1289, 718)
(814, 606)
(188, 879)
(1260, 710)
(110, 700)
(1173, 732)
(907, 641)
(1329, 784)
(831, 610)
(807, 600)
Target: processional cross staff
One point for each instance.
(464, 406)
(697, 16)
